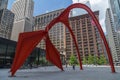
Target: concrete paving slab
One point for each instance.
(53, 73)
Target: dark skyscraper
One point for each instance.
(3, 4)
(6, 23)
(6, 20)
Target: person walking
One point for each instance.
(73, 66)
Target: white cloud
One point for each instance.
(100, 5)
(102, 22)
(76, 1)
(46, 11)
(95, 2)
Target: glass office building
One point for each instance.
(117, 10)
(7, 52)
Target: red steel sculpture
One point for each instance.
(28, 41)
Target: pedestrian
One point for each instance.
(66, 64)
(30, 65)
(73, 66)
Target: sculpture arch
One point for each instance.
(26, 46)
(64, 18)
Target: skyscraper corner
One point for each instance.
(23, 10)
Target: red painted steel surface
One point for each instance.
(28, 41)
(52, 54)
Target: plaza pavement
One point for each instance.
(53, 73)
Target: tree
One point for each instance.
(96, 60)
(84, 60)
(73, 60)
(91, 59)
(42, 61)
(102, 60)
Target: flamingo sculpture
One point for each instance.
(28, 41)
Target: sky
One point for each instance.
(43, 6)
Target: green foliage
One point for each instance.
(95, 60)
(102, 60)
(91, 59)
(73, 60)
(42, 61)
(84, 60)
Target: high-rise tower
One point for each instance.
(3, 4)
(6, 20)
(112, 37)
(23, 10)
(115, 13)
(6, 23)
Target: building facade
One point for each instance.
(112, 37)
(7, 53)
(6, 23)
(115, 10)
(23, 10)
(57, 33)
(3, 4)
(87, 35)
